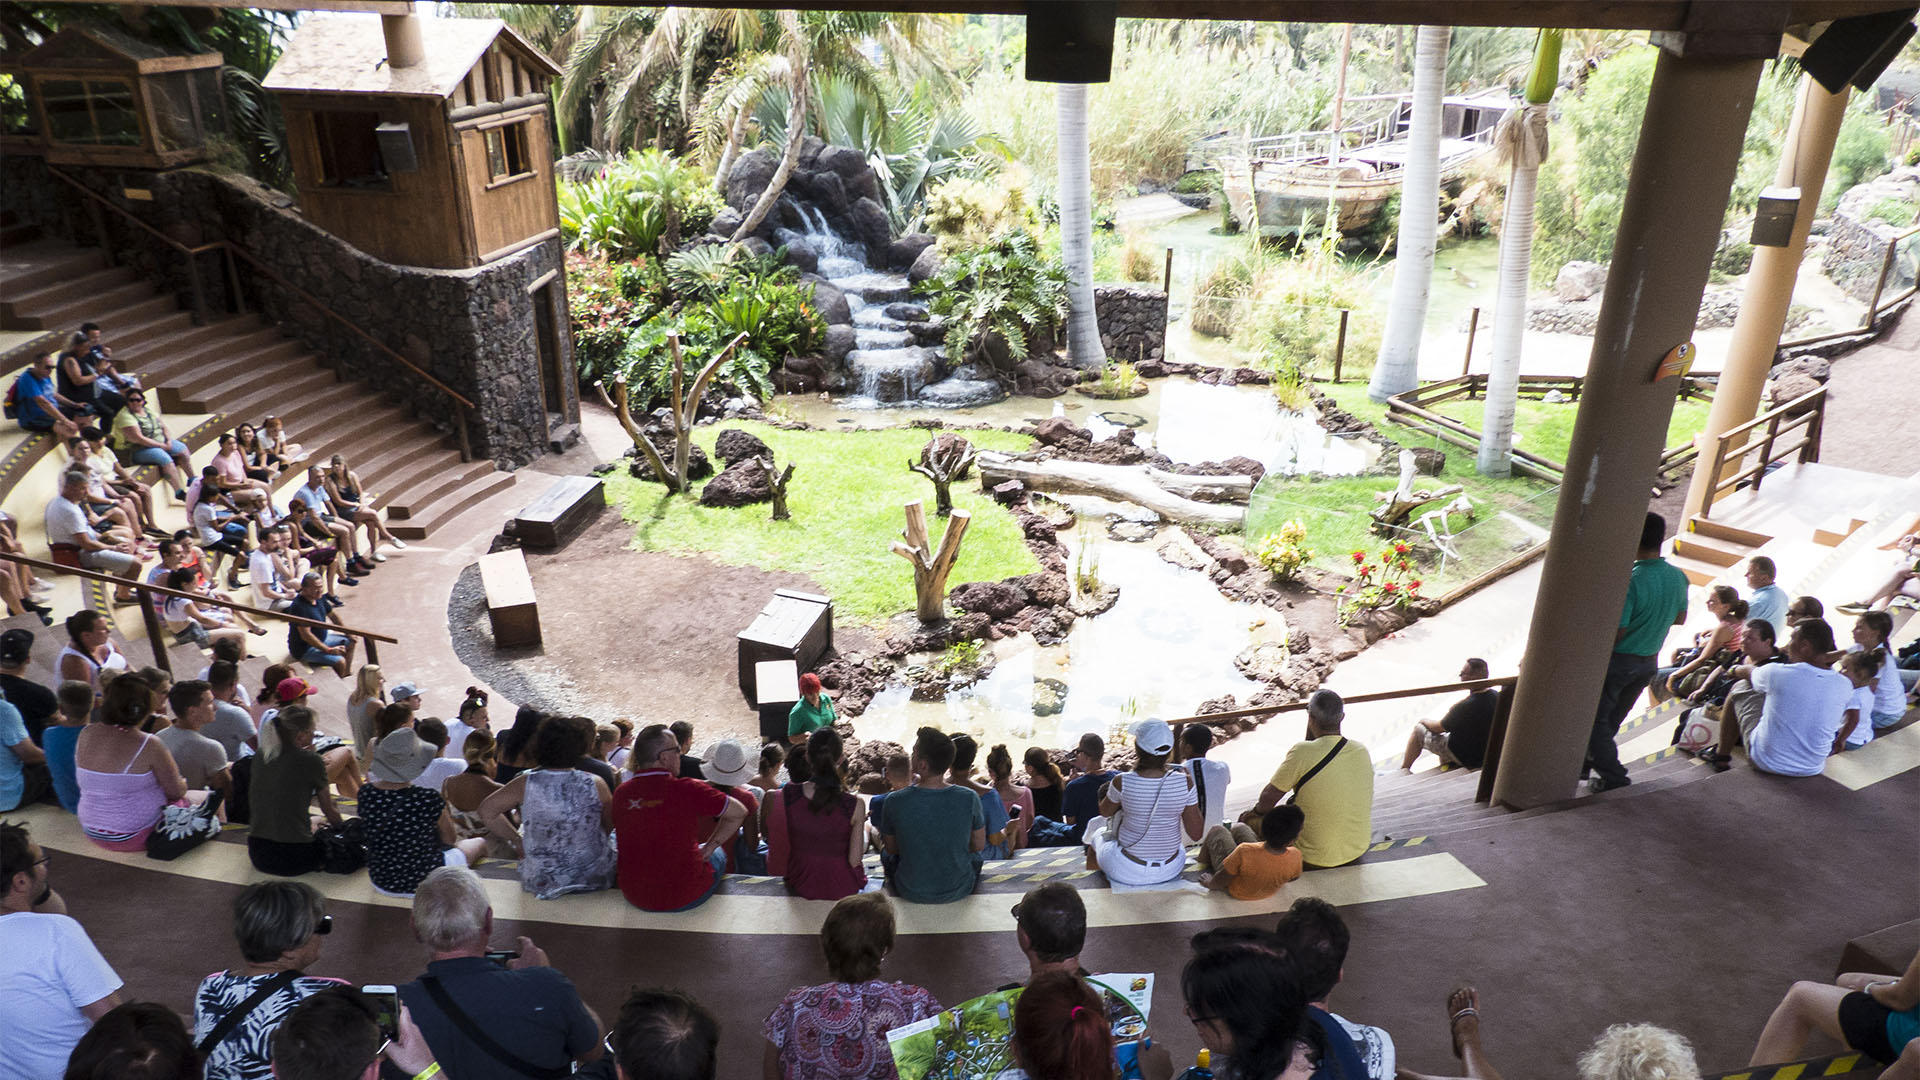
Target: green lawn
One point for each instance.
(1547, 430)
(845, 496)
(1335, 511)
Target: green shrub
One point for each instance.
(1218, 294)
(1286, 551)
(1290, 317)
(1141, 261)
(1003, 287)
(1896, 212)
(965, 211)
(638, 205)
(602, 312)
(1732, 258)
(1198, 182)
(1118, 379)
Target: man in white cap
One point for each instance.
(729, 767)
(1137, 839)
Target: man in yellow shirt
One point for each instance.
(1337, 799)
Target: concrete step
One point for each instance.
(178, 356)
(446, 509)
(29, 298)
(1698, 571)
(1722, 531)
(109, 305)
(441, 480)
(25, 267)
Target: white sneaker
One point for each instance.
(377, 557)
(398, 543)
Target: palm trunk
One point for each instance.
(797, 105)
(1076, 226)
(736, 134)
(1398, 369)
(1527, 148)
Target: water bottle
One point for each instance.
(1202, 1067)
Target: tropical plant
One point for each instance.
(1218, 295)
(1391, 581)
(1001, 289)
(1285, 552)
(1118, 379)
(1139, 261)
(1522, 141)
(604, 305)
(639, 205)
(1084, 348)
(704, 270)
(1398, 369)
(968, 211)
(1288, 315)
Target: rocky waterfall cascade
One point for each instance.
(896, 357)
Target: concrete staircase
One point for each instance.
(245, 368)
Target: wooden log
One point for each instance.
(1189, 485)
(1125, 483)
(930, 568)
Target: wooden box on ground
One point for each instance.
(551, 520)
(510, 603)
(793, 626)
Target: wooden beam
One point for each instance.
(378, 7)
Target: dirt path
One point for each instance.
(629, 633)
(1873, 404)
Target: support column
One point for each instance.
(1683, 169)
(1763, 309)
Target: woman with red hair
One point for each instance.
(1060, 1030)
(813, 711)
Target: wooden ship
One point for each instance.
(1283, 184)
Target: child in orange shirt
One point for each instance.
(1255, 871)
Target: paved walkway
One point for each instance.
(1873, 404)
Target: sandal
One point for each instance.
(1713, 756)
(1464, 1001)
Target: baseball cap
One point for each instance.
(292, 689)
(1153, 736)
(403, 691)
(16, 645)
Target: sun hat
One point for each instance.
(292, 689)
(400, 757)
(1153, 736)
(727, 763)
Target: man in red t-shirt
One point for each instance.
(665, 864)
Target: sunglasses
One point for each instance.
(324, 926)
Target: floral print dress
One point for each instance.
(838, 1031)
(566, 851)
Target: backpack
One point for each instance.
(11, 407)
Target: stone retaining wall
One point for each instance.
(473, 330)
(1133, 321)
(1857, 244)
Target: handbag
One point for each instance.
(183, 828)
(343, 847)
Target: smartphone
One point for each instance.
(503, 956)
(386, 1007)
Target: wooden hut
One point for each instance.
(98, 96)
(438, 157)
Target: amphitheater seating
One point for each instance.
(245, 368)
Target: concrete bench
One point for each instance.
(510, 602)
(551, 520)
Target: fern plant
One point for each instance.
(1004, 287)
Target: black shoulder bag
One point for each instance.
(478, 1036)
(232, 1020)
(1294, 793)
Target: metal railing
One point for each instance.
(232, 252)
(1879, 305)
(1502, 711)
(156, 634)
(1805, 414)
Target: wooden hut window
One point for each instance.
(94, 112)
(507, 153)
(349, 150)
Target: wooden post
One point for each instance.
(1473, 327)
(1496, 736)
(199, 291)
(1766, 449)
(233, 280)
(155, 636)
(466, 452)
(1886, 269)
(373, 651)
(1166, 275)
(1340, 345)
(930, 568)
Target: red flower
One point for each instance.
(1359, 556)
(1413, 586)
(1400, 549)
(1389, 587)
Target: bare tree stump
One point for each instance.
(945, 459)
(777, 482)
(682, 408)
(930, 568)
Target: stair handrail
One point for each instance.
(187, 253)
(1808, 410)
(1496, 734)
(232, 250)
(155, 635)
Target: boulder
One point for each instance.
(925, 265)
(831, 303)
(699, 466)
(1047, 590)
(724, 222)
(740, 484)
(1580, 280)
(955, 392)
(734, 445)
(1428, 461)
(995, 599)
(1812, 367)
(1224, 703)
(800, 251)
(1008, 493)
(1058, 429)
(1049, 697)
(754, 245)
(751, 174)
(844, 160)
(1785, 389)
(902, 252)
(905, 311)
(839, 342)
(870, 225)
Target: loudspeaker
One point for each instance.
(1858, 49)
(1070, 41)
(396, 148)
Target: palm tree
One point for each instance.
(1076, 226)
(1522, 139)
(1398, 369)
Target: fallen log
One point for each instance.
(1136, 484)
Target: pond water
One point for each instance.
(1185, 420)
(1167, 645)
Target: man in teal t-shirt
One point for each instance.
(934, 831)
(1656, 601)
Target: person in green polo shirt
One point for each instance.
(1656, 601)
(813, 711)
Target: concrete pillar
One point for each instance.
(1683, 169)
(1763, 309)
(404, 47)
